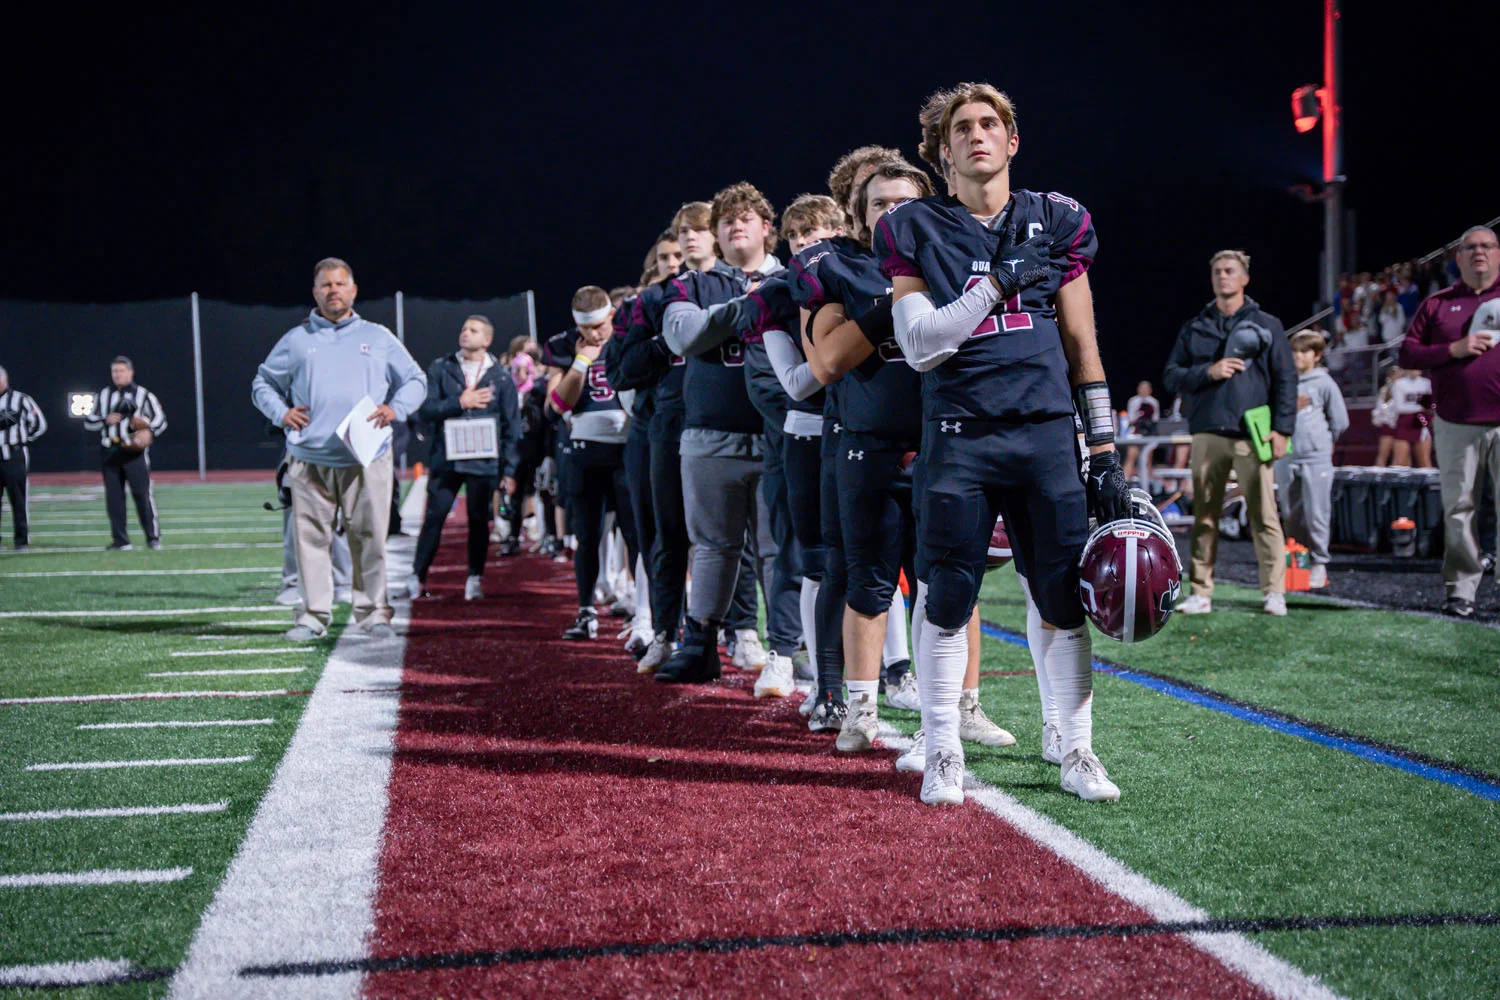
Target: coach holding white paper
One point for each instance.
(313, 377)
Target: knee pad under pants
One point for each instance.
(875, 512)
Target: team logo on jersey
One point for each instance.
(953, 427)
(1062, 198)
(816, 257)
(856, 456)
(364, 348)
(981, 267)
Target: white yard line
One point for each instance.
(120, 813)
(223, 530)
(227, 672)
(102, 521)
(1238, 952)
(59, 699)
(267, 570)
(154, 613)
(75, 549)
(242, 652)
(177, 724)
(260, 621)
(303, 884)
(89, 973)
(109, 765)
(103, 876)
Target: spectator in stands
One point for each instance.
(1229, 359)
(1142, 412)
(354, 359)
(1407, 292)
(1304, 479)
(1391, 319)
(1349, 329)
(1451, 336)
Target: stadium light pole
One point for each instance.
(1310, 105)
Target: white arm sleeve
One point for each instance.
(928, 335)
(792, 372)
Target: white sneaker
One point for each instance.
(1051, 743)
(637, 636)
(1195, 604)
(858, 731)
(975, 727)
(904, 695)
(1317, 576)
(304, 633)
(656, 654)
(1084, 776)
(289, 596)
(1275, 604)
(913, 759)
(474, 589)
(943, 779)
(749, 654)
(806, 708)
(343, 595)
(408, 586)
(776, 680)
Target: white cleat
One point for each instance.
(806, 708)
(656, 654)
(943, 779)
(1275, 604)
(860, 726)
(913, 759)
(474, 589)
(1051, 743)
(975, 727)
(1084, 776)
(749, 654)
(1195, 604)
(904, 695)
(776, 680)
(289, 596)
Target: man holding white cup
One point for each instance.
(1450, 337)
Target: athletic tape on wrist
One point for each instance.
(581, 364)
(1092, 400)
(590, 318)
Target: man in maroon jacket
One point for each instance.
(1452, 336)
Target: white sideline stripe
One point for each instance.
(1238, 952)
(303, 884)
(89, 973)
(179, 531)
(140, 695)
(108, 765)
(227, 673)
(74, 549)
(102, 876)
(145, 572)
(242, 652)
(126, 811)
(176, 724)
(151, 613)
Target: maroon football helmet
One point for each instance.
(999, 553)
(1130, 577)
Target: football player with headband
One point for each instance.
(578, 388)
(992, 303)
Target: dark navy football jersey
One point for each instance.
(778, 311)
(714, 392)
(597, 395)
(883, 396)
(646, 359)
(1012, 367)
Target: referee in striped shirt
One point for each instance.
(121, 410)
(21, 422)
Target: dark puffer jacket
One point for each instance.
(1270, 376)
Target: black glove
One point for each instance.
(1109, 493)
(9, 419)
(1018, 264)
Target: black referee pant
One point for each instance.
(442, 491)
(13, 481)
(129, 468)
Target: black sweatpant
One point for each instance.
(829, 612)
(638, 479)
(442, 491)
(13, 481)
(122, 468)
(669, 559)
(597, 483)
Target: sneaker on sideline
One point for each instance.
(1275, 604)
(809, 703)
(749, 654)
(1084, 776)
(943, 779)
(775, 680)
(913, 759)
(802, 665)
(857, 734)
(116, 547)
(904, 694)
(474, 589)
(584, 627)
(289, 596)
(304, 633)
(1317, 576)
(1458, 607)
(378, 630)
(975, 727)
(1051, 743)
(1195, 604)
(655, 655)
(827, 715)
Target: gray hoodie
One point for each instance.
(1321, 420)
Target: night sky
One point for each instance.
(452, 153)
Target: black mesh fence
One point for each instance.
(53, 349)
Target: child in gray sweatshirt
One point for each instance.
(1304, 479)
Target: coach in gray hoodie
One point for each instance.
(313, 377)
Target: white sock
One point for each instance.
(1039, 639)
(642, 594)
(918, 623)
(896, 649)
(1070, 672)
(808, 605)
(859, 689)
(942, 657)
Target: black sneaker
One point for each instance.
(891, 676)
(585, 626)
(118, 547)
(23, 547)
(509, 546)
(827, 715)
(155, 543)
(696, 661)
(1458, 607)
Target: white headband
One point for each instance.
(590, 318)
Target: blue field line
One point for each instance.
(1475, 786)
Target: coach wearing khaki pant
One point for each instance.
(313, 377)
(1228, 359)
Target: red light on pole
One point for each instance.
(1307, 107)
